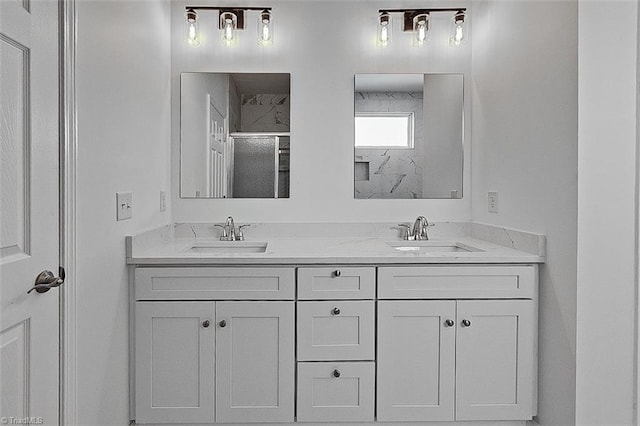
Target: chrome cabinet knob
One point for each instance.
(206, 323)
(449, 323)
(335, 311)
(336, 373)
(337, 273)
(466, 323)
(222, 323)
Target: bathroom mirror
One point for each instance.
(409, 131)
(234, 135)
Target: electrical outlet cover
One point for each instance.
(493, 201)
(163, 201)
(124, 205)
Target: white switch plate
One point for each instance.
(124, 205)
(493, 201)
(163, 201)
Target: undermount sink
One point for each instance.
(227, 247)
(428, 247)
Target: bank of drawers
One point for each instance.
(340, 334)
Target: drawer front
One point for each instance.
(214, 283)
(465, 282)
(337, 330)
(336, 283)
(323, 397)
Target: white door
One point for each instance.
(416, 360)
(254, 362)
(174, 362)
(29, 335)
(494, 363)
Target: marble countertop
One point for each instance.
(171, 245)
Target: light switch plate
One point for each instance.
(163, 201)
(493, 201)
(124, 205)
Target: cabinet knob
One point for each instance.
(222, 323)
(335, 311)
(336, 373)
(449, 323)
(466, 323)
(206, 323)
(337, 273)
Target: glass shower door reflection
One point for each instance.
(255, 166)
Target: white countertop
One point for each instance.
(171, 246)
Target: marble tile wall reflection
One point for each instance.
(265, 113)
(393, 173)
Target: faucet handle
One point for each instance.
(407, 231)
(240, 234)
(224, 230)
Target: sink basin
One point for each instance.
(428, 247)
(227, 247)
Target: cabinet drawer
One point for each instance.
(464, 282)
(335, 391)
(336, 283)
(338, 330)
(214, 283)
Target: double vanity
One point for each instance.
(333, 323)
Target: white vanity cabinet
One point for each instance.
(355, 343)
(456, 359)
(207, 361)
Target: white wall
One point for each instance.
(123, 131)
(525, 147)
(323, 44)
(607, 218)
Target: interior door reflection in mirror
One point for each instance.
(234, 135)
(409, 131)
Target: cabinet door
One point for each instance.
(254, 361)
(416, 359)
(494, 366)
(174, 362)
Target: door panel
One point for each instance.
(254, 361)
(494, 360)
(29, 230)
(174, 362)
(416, 360)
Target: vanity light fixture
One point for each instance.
(193, 35)
(265, 28)
(421, 28)
(384, 29)
(230, 20)
(457, 33)
(418, 22)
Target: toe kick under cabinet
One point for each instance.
(250, 344)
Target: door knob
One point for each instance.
(466, 323)
(45, 281)
(335, 311)
(222, 323)
(336, 373)
(206, 323)
(449, 323)
(337, 273)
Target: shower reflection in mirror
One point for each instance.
(408, 136)
(235, 139)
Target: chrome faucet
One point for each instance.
(419, 230)
(230, 232)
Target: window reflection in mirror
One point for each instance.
(408, 136)
(235, 139)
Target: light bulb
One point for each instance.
(421, 29)
(458, 29)
(384, 29)
(193, 35)
(265, 28)
(228, 23)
